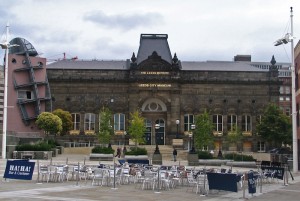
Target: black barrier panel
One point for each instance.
(220, 181)
(251, 183)
(19, 169)
(279, 172)
(265, 163)
(138, 161)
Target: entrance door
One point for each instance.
(160, 133)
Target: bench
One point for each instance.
(178, 143)
(101, 157)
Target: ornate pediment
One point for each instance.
(154, 62)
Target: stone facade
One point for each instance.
(164, 89)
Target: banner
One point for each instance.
(221, 181)
(251, 183)
(278, 172)
(19, 169)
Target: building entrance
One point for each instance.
(155, 134)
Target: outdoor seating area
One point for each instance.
(194, 179)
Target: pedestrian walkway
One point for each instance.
(83, 191)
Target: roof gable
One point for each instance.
(150, 43)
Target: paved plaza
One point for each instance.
(84, 191)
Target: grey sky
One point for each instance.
(198, 30)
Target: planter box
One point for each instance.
(101, 157)
(216, 162)
(246, 164)
(54, 152)
(193, 159)
(157, 159)
(37, 155)
(60, 149)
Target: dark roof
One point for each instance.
(154, 42)
(218, 66)
(124, 65)
(92, 64)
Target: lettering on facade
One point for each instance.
(154, 85)
(154, 73)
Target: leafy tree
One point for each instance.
(203, 131)
(275, 127)
(66, 118)
(137, 127)
(50, 123)
(105, 130)
(234, 136)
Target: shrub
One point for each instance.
(41, 146)
(204, 155)
(103, 150)
(136, 151)
(239, 157)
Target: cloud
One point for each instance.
(123, 21)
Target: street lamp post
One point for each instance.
(193, 146)
(157, 126)
(177, 123)
(290, 38)
(5, 46)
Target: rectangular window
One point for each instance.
(261, 146)
(246, 123)
(231, 122)
(287, 90)
(218, 122)
(119, 122)
(89, 121)
(76, 121)
(281, 98)
(188, 121)
(25, 95)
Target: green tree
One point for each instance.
(275, 127)
(66, 118)
(50, 123)
(234, 136)
(203, 131)
(105, 130)
(137, 127)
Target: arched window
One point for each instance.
(154, 105)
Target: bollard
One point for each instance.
(38, 177)
(158, 187)
(243, 184)
(114, 188)
(77, 178)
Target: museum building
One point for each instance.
(167, 91)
